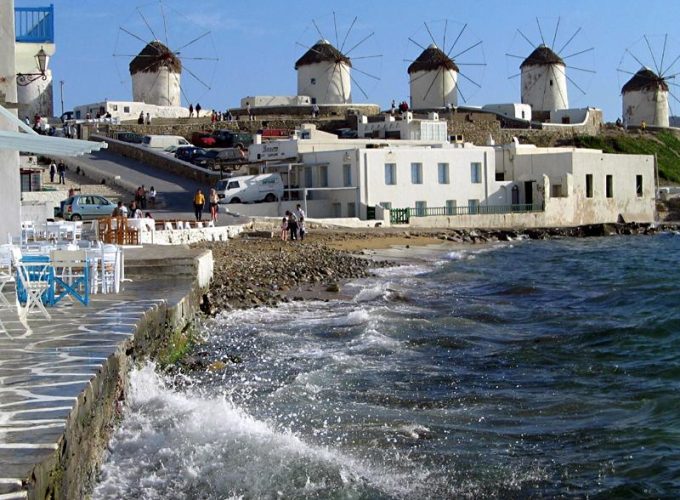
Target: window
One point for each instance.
(351, 209)
(232, 185)
(347, 174)
(609, 186)
(421, 208)
(312, 81)
(589, 185)
(126, 109)
(337, 209)
(308, 177)
(551, 83)
(476, 173)
(556, 191)
(390, 173)
(323, 176)
(443, 170)
(473, 206)
(416, 173)
(450, 207)
(387, 205)
(115, 107)
(638, 185)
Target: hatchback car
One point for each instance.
(86, 206)
(187, 153)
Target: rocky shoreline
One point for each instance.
(256, 270)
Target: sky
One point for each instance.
(232, 49)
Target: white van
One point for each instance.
(250, 188)
(163, 141)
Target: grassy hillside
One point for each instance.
(665, 145)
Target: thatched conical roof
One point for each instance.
(645, 79)
(542, 56)
(153, 57)
(431, 59)
(322, 51)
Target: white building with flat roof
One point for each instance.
(128, 110)
(403, 127)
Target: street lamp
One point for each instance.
(41, 58)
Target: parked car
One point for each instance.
(215, 158)
(163, 141)
(346, 133)
(187, 153)
(86, 206)
(129, 137)
(250, 188)
(231, 139)
(203, 139)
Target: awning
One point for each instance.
(30, 141)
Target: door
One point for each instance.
(529, 193)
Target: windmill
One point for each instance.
(325, 70)
(171, 46)
(443, 72)
(544, 78)
(646, 94)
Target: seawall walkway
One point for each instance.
(61, 380)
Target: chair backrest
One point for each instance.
(6, 256)
(167, 226)
(187, 224)
(211, 223)
(199, 224)
(68, 258)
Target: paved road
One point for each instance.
(175, 192)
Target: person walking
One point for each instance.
(199, 202)
(53, 171)
(148, 119)
(214, 200)
(198, 110)
(152, 196)
(191, 110)
(61, 170)
(292, 225)
(142, 198)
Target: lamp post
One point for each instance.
(41, 58)
(61, 95)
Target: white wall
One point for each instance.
(36, 97)
(511, 110)
(161, 88)
(128, 110)
(332, 82)
(275, 100)
(650, 106)
(407, 128)
(575, 116)
(537, 90)
(10, 190)
(433, 89)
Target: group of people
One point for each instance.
(199, 204)
(293, 225)
(58, 168)
(132, 212)
(141, 120)
(219, 116)
(142, 196)
(197, 108)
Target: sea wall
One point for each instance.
(70, 471)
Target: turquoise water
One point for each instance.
(530, 369)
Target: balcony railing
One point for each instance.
(403, 215)
(34, 24)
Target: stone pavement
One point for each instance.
(48, 369)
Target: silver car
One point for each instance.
(86, 206)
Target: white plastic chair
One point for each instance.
(167, 226)
(27, 231)
(211, 223)
(199, 224)
(110, 269)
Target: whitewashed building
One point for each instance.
(323, 74)
(34, 32)
(645, 99)
(127, 110)
(514, 110)
(156, 73)
(403, 127)
(461, 185)
(433, 77)
(544, 80)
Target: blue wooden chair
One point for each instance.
(71, 275)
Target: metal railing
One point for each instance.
(402, 215)
(34, 24)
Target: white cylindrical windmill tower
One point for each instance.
(544, 80)
(645, 99)
(433, 77)
(323, 73)
(156, 75)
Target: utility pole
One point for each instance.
(61, 93)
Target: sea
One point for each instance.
(526, 369)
